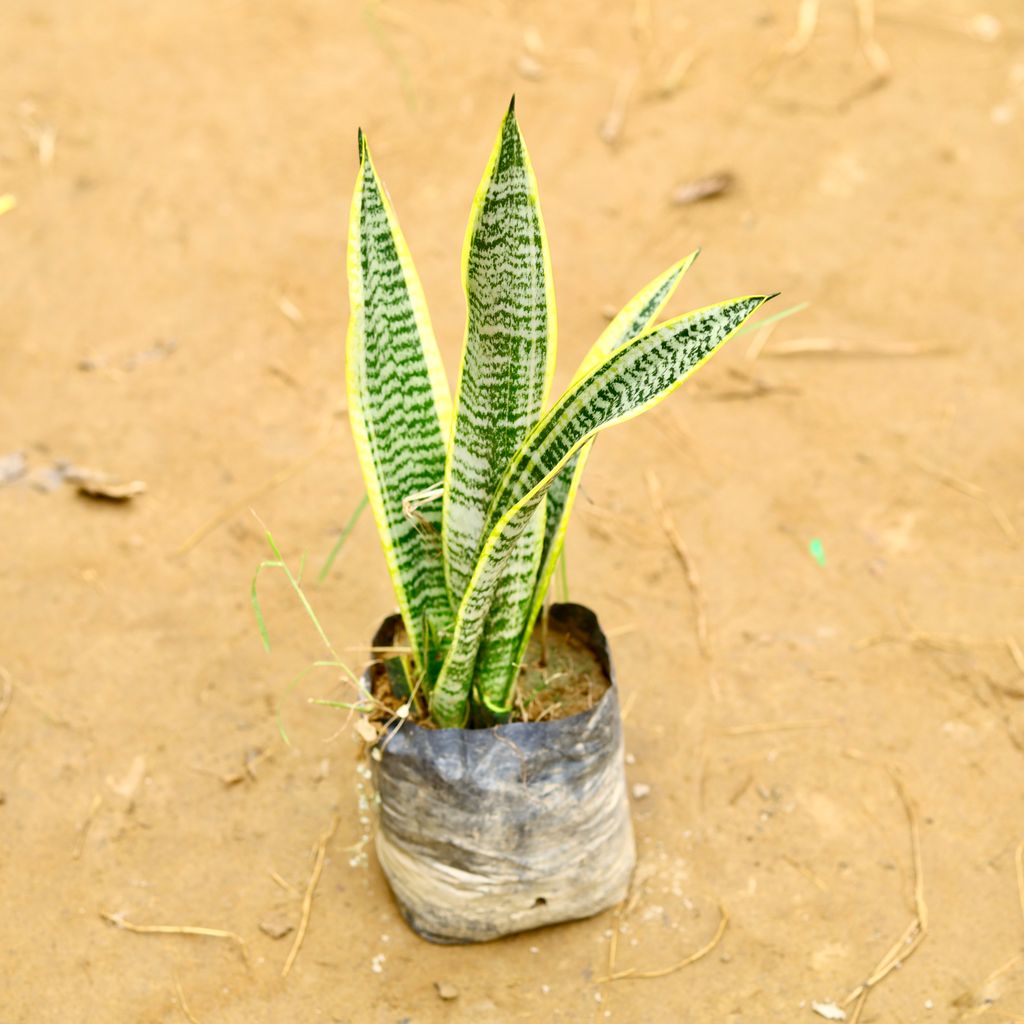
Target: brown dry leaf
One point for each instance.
(699, 189)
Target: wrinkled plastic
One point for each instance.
(485, 832)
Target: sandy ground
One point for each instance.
(173, 309)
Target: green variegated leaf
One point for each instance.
(399, 405)
(633, 319)
(509, 351)
(634, 378)
(498, 659)
(494, 674)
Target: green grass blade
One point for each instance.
(631, 380)
(509, 350)
(347, 529)
(261, 624)
(756, 325)
(399, 405)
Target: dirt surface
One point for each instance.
(172, 311)
(561, 675)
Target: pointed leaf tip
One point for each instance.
(512, 104)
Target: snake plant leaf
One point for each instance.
(509, 350)
(631, 380)
(633, 319)
(399, 404)
(499, 658)
(497, 667)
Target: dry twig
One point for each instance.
(842, 347)
(83, 829)
(615, 120)
(1016, 653)
(806, 23)
(915, 932)
(972, 490)
(173, 929)
(182, 1003)
(307, 899)
(633, 973)
(870, 47)
(1019, 861)
(286, 885)
(689, 569)
(756, 728)
(6, 691)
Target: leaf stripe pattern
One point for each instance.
(399, 406)
(638, 314)
(498, 660)
(509, 351)
(635, 317)
(636, 377)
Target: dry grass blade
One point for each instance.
(676, 74)
(705, 187)
(870, 47)
(83, 829)
(806, 23)
(842, 347)
(240, 506)
(183, 1003)
(307, 899)
(615, 120)
(174, 929)
(6, 691)
(917, 930)
(287, 886)
(689, 569)
(1016, 653)
(756, 728)
(1019, 861)
(632, 973)
(972, 490)
(760, 340)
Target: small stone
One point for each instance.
(446, 990)
(641, 790)
(830, 1011)
(276, 927)
(530, 68)
(12, 467)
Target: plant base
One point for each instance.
(486, 832)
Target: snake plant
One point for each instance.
(471, 499)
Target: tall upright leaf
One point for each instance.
(399, 405)
(634, 378)
(498, 663)
(509, 351)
